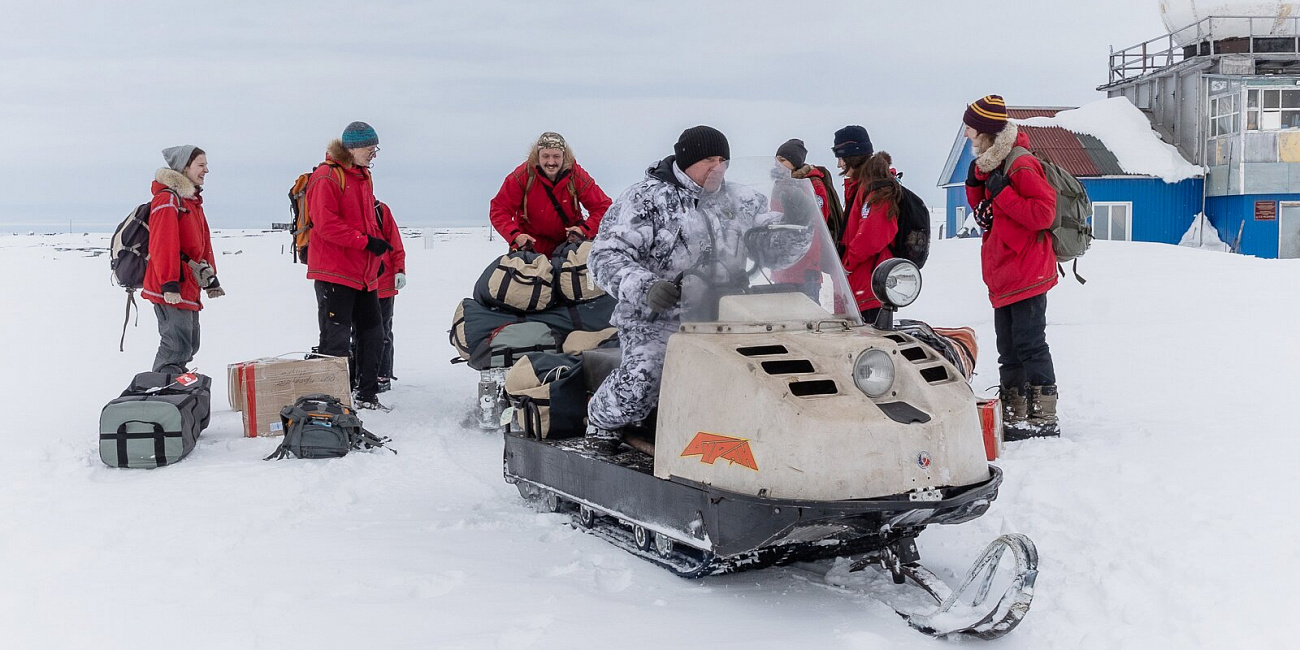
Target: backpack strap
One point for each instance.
(528, 187)
(555, 203)
(1060, 270)
(1016, 154)
(130, 302)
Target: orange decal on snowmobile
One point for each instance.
(711, 446)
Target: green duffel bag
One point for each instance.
(549, 395)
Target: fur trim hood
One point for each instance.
(991, 158)
(339, 153)
(177, 181)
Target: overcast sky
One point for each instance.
(90, 92)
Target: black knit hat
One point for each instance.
(793, 151)
(700, 142)
(852, 141)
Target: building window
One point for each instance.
(1112, 221)
(1225, 118)
(1272, 109)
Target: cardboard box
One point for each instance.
(262, 387)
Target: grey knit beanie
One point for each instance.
(794, 151)
(178, 157)
(359, 135)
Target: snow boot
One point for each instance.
(602, 442)
(1015, 413)
(368, 403)
(385, 384)
(1042, 412)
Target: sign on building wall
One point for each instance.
(1265, 210)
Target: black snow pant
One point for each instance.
(386, 316)
(178, 330)
(344, 313)
(1023, 355)
(386, 354)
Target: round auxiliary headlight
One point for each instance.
(896, 282)
(873, 373)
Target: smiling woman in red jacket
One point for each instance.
(180, 256)
(872, 225)
(1015, 207)
(538, 204)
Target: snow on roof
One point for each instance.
(1125, 131)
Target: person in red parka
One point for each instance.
(871, 226)
(793, 155)
(540, 203)
(391, 282)
(1015, 206)
(181, 264)
(344, 256)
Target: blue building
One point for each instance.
(1225, 90)
(1126, 206)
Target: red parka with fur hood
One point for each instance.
(176, 226)
(343, 220)
(541, 220)
(870, 227)
(1016, 255)
(394, 260)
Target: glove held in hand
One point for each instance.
(377, 246)
(662, 296)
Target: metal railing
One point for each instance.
(1164, 51)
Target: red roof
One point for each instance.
(1081, 155)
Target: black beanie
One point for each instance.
(852, 141)
(793, 151)
(700, 142)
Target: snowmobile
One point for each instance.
(789, 430)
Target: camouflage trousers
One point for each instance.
(630, 392)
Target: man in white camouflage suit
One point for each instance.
(682, 219)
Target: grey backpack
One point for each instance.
(321, 426)
(1071, 233)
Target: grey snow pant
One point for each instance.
(179, 332)
(630, 392)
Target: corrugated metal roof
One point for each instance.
(1077, 153)
(1102, 158)
(1061, 147)
(1026, 112)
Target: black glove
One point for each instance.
(662, 296)
(799, 208)
(984, 215)
(971, 180)
(997, 181)
(377, 246)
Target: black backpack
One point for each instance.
(320, 426)
(913, 239)
(129, 254)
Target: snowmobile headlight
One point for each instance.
(873, 373)
(896, 282)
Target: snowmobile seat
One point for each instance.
(598, 363)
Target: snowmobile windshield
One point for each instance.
(761, 252)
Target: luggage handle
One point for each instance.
(159, 436)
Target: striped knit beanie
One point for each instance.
(987, 114)
(359, 135)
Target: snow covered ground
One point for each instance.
(1165, 517)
